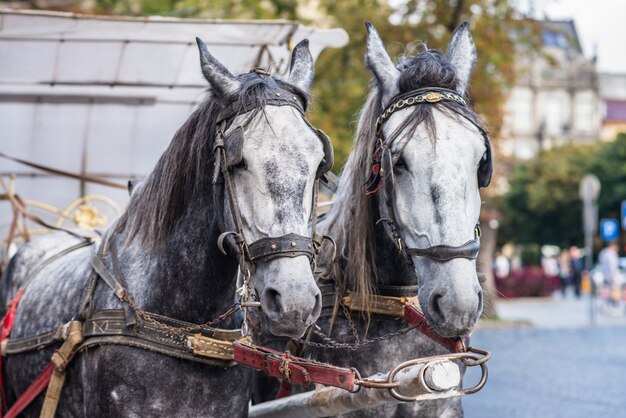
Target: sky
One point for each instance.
(601, 25)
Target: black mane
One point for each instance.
(431, 68)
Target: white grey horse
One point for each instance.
(435, 156)
(169, 257)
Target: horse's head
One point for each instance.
(434, 155)
(271, 161)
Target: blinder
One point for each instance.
(233, 146)
(329, 157)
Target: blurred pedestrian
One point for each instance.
(609, 264)
(577, 267)
(565, 271)
(502, 266)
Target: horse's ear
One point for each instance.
(221, 80)
(302, 67)
(462, 55)
(379, 62)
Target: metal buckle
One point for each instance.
(433, 97)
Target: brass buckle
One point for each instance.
(433, 97)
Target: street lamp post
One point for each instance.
(589, 191)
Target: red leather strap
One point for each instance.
(297, 370)
(285, 389)
(414, 316)
(35, 388)
(5, 330)
(7, 321)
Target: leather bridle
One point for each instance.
(384, 160)
(227, 150)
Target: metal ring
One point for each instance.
(480, 384)
(393, 391)
(357, 378)
(410, 101)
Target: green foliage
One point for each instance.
(609, 164)
(542, 204)
(531, 255)
(342, 81)
(215, 9)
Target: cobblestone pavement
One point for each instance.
(559, 312)
(560, 368)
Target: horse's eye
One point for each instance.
(400, 164)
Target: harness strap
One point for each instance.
(104, 273)
(166, 335)
(414, 316)
(290, 245)
(60, 359)
(238, 107)
(401, 306)
(23, 345)
(384, 305)
(297, 370)
(29, 395)
(410, 311)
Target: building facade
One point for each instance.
(556, 99)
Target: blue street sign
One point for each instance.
(624, 215)
(609, 229)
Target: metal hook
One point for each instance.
(221, 238)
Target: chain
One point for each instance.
(145, 316)
(346, 312)
(331, 343)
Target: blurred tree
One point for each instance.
(542, 204)
(609, 164)
(341, 83)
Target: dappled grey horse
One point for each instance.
(405, 217)
(166, 251)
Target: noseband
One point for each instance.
(383, 163)
(267, 248)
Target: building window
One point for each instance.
(583, 114)
(554, 125)
(522, 113)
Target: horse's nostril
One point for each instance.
(480, 301)
(317, 309)
(273, 304)
(435, 306)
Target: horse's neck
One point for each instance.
(187, 277)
